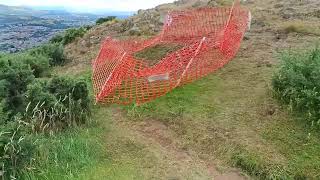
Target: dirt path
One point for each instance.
(175, 162)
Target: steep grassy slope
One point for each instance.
(228, 119)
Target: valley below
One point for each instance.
(23, 28)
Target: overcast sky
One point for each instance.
(89, 5)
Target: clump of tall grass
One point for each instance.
(297, 83)
(54, 105)
(16, 150)
(57, 117)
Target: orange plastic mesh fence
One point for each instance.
(209, 37)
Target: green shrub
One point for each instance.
(71, 34)
(60, 86)
(14, 79)
(87, 27)
(57, 39)
(105, 19)
(74, 89)
(44, 111)
(38, 95)
(57, 104)
(3, 114)
(43, 105)
(297, 83)
(53, 51)
(18, 88)
(56, 55)
(80, 91)
(39, 64)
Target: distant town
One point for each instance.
(22, 28)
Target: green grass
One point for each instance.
(260, 168)
(229, 118)
(91, 152)
(153, 54)
(66, 155)
(234, 120)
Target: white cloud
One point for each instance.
(119, 5)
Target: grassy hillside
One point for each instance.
(227, 125)
(230, 118)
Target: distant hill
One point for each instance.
(20, 12)
(17, 10)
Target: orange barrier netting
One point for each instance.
(210, 38)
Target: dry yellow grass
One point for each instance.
(301, 27)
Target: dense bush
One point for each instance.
(71, 34)
(57, 104)
(39, 64)
(87, 27)
(297, 83)
(19, 87)
(3, 114)
(14, 79)
(105, 19)
(53, 51)
(57, 38)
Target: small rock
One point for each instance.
(83, 42)
(271, 110)
(268, 64)
(135, 31)
(246, 37)
(212, 3)
(277, 6)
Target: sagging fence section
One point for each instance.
(209, 38)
